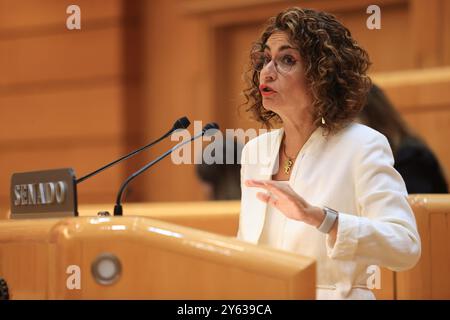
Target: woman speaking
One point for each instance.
(323, 185)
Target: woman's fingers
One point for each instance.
(263, 196)
(280, 196)
(276, 188)
(271, 186)
(266, 198)
(286, 191)
(282, 191)
(254, 183)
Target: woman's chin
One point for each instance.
(271, 107)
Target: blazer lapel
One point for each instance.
(266, 168)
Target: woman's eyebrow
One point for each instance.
(283, 47)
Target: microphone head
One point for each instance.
(210, 129)
(181, 123)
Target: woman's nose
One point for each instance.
(269, 72)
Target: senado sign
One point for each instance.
(42, 193)
(39, 194)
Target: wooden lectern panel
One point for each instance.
(159, 261)
(430, 278)
(221, 217)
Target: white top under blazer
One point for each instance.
(352, 172)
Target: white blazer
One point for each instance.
(351, 172)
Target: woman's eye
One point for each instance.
(289, 60)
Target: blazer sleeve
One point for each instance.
(384, 231)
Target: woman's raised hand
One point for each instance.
(287, 201)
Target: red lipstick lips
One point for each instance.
(266, 90)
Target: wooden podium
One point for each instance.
(429, 279)
(153, 259)
(187, 251)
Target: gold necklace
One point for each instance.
(288, 163)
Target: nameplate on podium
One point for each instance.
(43, 194)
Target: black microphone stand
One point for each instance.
(181, 123)
(118, 211)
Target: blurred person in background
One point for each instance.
(414, 160)
(221, 181)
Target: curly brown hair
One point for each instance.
(334, 64)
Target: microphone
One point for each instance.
(181, 123)
(207, 130)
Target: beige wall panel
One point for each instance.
(65, 56)
(176, 83)
(425, 30)
(37, 13)
(62, 114)
(445, 34)
(63, 93)
(233, 50)
(389, 49)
